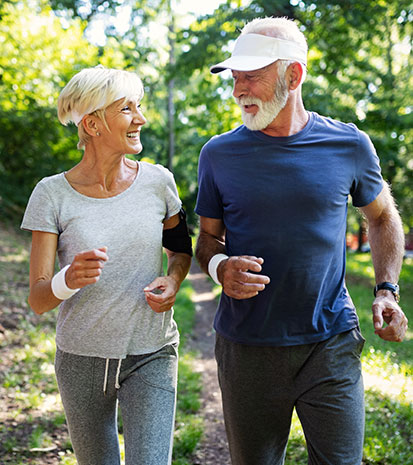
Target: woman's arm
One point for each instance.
(161, 293)
(42, 260)
(85, 269)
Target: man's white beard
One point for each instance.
(267, 111)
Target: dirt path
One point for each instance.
(213, 449)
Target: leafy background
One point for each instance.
(360, 70)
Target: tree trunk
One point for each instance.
(171, 84)
(362, 234)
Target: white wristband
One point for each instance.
(213, 265)
(59, 287)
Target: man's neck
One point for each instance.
(291, 120)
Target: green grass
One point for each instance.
(188, 426)
(32, 421)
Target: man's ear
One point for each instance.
(296, 74)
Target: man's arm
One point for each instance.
(386, 240)
(233, 273)
(211, 241)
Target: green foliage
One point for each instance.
(359, 71)
(83, 9)
(38, 54)
(388, 430)
(188, 426)
(30, 133)
(186, 439)
(189, 386)
(184, 311)
(296, 449)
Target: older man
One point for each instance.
(273, 204)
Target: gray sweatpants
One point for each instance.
(262, 385)
(146, 396)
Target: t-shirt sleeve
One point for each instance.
(40, 214)
(368, 182)
(173, 202)
(209, 202)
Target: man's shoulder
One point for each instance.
(238, 133)
(334, 125)
(345, 134)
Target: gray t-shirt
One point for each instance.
(111, 318)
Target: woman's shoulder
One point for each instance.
(53, 180)
(157, 170)
(50, 185)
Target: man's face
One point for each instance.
(261, 95)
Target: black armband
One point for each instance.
(177, 239)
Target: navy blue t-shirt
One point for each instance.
(285, 199)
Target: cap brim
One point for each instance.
(243, 63)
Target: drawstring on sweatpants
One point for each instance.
(117, 386)
(105, 380)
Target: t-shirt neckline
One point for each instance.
(286, 139)
(99, 199)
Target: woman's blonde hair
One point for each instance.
(91, 91)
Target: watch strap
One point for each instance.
(393, 288)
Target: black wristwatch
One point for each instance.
(393, 288)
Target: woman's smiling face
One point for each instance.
(125, 121)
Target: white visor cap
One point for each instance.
(254, 51)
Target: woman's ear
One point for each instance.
(91, 125)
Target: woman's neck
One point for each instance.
(100, 176)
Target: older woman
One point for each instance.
(107, 218)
